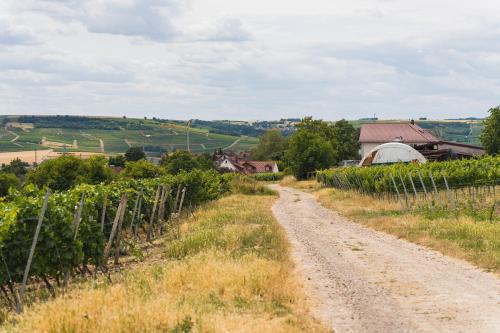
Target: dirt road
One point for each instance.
(361, 280)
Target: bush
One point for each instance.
(7, 181)
(67, 171)
(269, 177)
(140, 169)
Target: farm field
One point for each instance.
(155, 138)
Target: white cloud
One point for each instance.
(250, 59)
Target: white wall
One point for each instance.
(226, 164)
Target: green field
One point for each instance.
(156, 137)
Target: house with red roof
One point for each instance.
(433, 148)
(241, 163)
(373, 135)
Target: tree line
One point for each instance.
(68, 171)
(315, 145)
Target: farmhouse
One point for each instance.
(241, 163)
(373, 135)
(433, 148)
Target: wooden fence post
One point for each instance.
(397, 191)
(19, 308)
(414, 189)
(182, 200)
(78, 217)
(448, 192)
(76, 224)
(137, 211)
(153, 213)
(134, 212)
(121, 207)
(119, 236)
(177, 197)
(406, 192)
(434, 186)
(161, 212)
(425, 189)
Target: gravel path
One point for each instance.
(361, 280)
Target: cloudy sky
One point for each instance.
(250, 59)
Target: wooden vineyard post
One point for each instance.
(434, 186)
(120, 212)
(414, 189)
(177, 197)
(161, 211)
(448, 192)
(425, 189)
(103, 214)
(182, 200)
(119, 236)
(78, 217)
(19, 308)
(397, 191)
(76, 224)
(406, 192)
(337, 182)
(137, 211)
(153, 213)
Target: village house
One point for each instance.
(373, 135)
(243, 164)
(433, 148)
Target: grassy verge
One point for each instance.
(461, 237)
(225, 269)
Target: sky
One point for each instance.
(250, 59)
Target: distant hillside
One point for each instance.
(111, 135)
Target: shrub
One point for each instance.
(269, 177)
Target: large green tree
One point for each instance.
(345, 141)
(117, 161)
(272, 146)
(134, 154)
(308, 151)
(490, 138)
(17, 167)
(180, 161)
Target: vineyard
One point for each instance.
(46, 237)
(462, 186)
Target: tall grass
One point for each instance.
(246, 185)
(226, 269)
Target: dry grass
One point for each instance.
(307, 185)
(462, 237)
(226, 269)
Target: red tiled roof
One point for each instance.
(388, 132)
(260, 166)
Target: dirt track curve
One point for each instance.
(361, 280)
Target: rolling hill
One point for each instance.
(110, 135)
